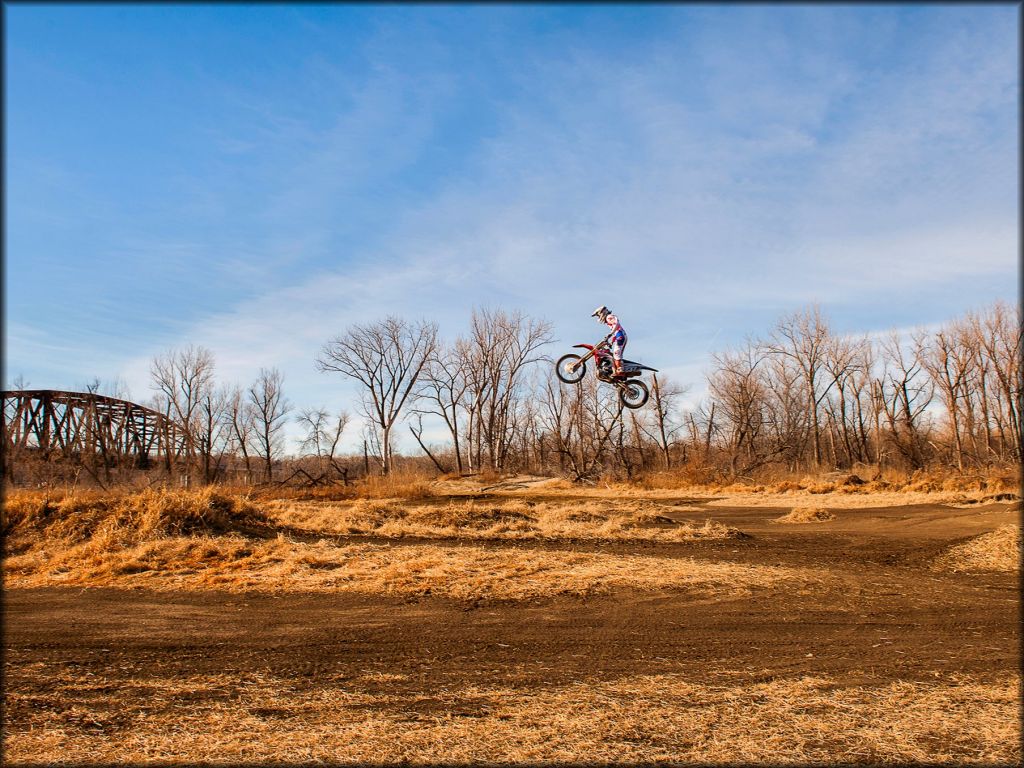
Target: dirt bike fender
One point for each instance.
(635, 366)
(584, 346)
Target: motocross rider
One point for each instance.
(617, 337)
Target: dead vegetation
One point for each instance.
(514, 518)
(866, 480)
(205, 539)
(999, 550)
(457, 572)
(380, 718)
(806, 515)
(398, 485)
(116, 519)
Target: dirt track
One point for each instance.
(884, 617)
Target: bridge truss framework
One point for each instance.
(88, 428)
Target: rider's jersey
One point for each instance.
(618, 333)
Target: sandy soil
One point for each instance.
(880, 658)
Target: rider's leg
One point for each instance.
(618, 344)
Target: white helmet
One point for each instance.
(600, 312)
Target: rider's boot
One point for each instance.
(616, 368)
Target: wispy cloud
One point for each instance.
(735, 164)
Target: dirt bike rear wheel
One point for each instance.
(633, 394)
(565, 372)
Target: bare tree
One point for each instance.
(241, 423)
(417, 432)
(999, 333)
(785, 416)
(213, 430)
(495, 358)
(581, 421)
(116, 388)
(904, 392)
(738, 387)
(443, 393)
(802, 337)
(323, 432)
(665, 395)
(841, 362)
(864, 414)
(948, 361)
(182, 378)
(270, 407)
(386, 358)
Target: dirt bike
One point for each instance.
(572, 368)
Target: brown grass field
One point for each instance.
(514, 621)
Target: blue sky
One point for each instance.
(254, 179)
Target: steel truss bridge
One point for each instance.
(90, 429)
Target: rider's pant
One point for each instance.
(618, 344)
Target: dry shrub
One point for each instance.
(333, 492)
(488, 476)
(393, 486)
(964, 483)
(787, 485)
(814, 487)
(998, 550)
(34, 511)
(923, 484)
(493, 518)
(806, 515)
(992, 479)
(734, 488)
(127, 517)
(104, 535)
(1004, 480)
(397, 485)
(690, 475)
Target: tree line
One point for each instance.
(801, 398)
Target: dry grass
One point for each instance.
(999, 550)
(513, 519)
(382, 719)
(458, 572)
(839, 500)
(806, 515)
(783, 494)
(205, 539)
(861, 480)
(395, 486)
(124, 518)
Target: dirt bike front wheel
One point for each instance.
(565, 371)
(633, 394)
